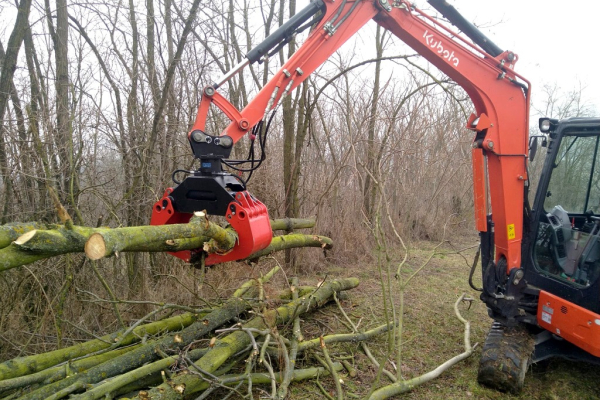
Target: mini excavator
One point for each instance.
(540, 262)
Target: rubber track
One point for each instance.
(505, 358)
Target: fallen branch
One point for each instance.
(290, 224)
(59, 372)
(293, 241)
(57, 241)
(30, 364)
(22, 244)
(265, 379)
(158, 238)
(343, 338)
(329, 364)
(296, 339)
(104, 389)
(406, 386)
(10, 232)
(151, 350)
(185, 384)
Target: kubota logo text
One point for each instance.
(439, 47)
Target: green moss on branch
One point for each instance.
(291, 241)
(27, 365)
(239, 340)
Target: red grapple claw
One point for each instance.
(248, 216)
(250, 219)
(163, 213)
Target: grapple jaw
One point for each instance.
(247, 215)
(250, 219)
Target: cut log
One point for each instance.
(290, 224)
(291, 241)
(31, 364)
(158, 238)
(152, 350)
(38, 244)
(59, 372)
(36, 241)
(10, 232)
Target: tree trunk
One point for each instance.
(369, 188)
(9, 66)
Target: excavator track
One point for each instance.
(505, 358)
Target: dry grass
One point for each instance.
(433, 334)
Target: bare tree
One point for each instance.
(9, 62)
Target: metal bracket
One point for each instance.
(328, 27)
(386, 6)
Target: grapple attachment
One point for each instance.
(247, 215)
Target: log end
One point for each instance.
(95, 247)
(26, 237)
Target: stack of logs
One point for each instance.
(187, 355)
(25, 243)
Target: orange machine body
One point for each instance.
(570, 321)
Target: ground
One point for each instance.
(432, 332)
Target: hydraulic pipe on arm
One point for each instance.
(450, 13)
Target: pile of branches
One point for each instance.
(179, 356)
(231, 349)
(234, 349)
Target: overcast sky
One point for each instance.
(557, 41)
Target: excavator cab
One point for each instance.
(564, 255)
(567, 243)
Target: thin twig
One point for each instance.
(329, 365)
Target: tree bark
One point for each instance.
(293, 241)
(10, 232)
(39, 244)
(370, 189)
(9, 66)
(149, 352)
(57, 373)
(22, 244)
(31, 364)
(12, 51)
(153, 349)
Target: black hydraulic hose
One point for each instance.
(339, 11)
(472, 272)
(450, 13)
(262, 143)
(285, 30)
(345, 17)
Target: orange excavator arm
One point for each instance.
(500, 98)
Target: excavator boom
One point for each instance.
(500, 96)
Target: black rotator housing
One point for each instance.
(209, 188)
(212, 193)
